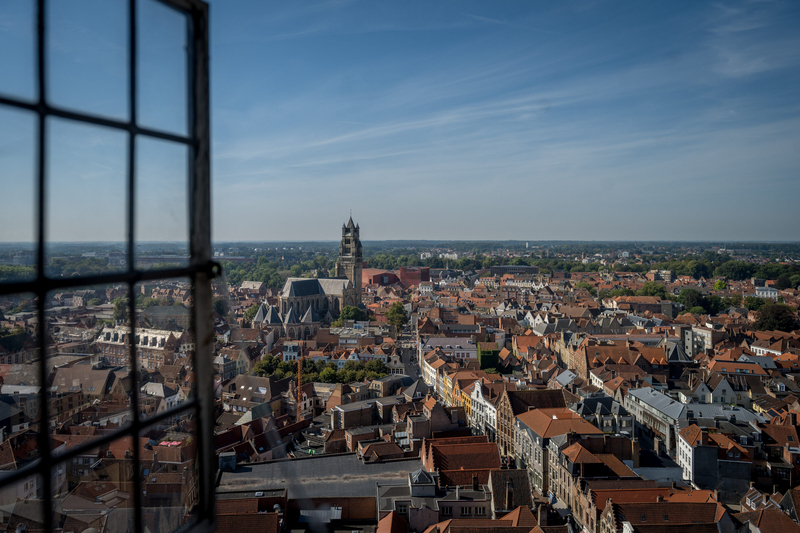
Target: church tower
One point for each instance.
(350, 256)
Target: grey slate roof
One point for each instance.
(273, 316)
(291, 317)
(418, 389)
(309, 317)
(421, 477)
(262, 312)
(295, 287)
(334, 286)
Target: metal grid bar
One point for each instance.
(133, 359)
(41, 293)
(104, 279)
(92, 119)
(201, 269)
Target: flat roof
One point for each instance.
(320, 476)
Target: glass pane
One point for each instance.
(162, 78)
(170, 474)
(86, 199)
(21, 386)
(162, 204)
(18, 49)
(18, 201)
(22, 508)
(165, 344)
(88, 357)
(87, 56)
(97, 491)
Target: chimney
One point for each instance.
(703, 438)
(155, 462)
(635, 452)
(509, 494)
(474, 482)
(542, 515)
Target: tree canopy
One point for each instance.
(397, 315)
(321, 371)
(776, 317)
(351, 312)
(250, 314)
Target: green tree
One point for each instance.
(221, 306)
(691, 298)
(377, 366)
(653, 288)
(120, 309)
(397, 315)
(720, 285)
(732, 301)
(776, 317)
(753, 303)
(250, 314)
(350, 312)
(587, 286)
(697, 310)
(328, 375)
(783, 282)
(736, 270)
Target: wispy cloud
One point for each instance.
(490, 20)
(544, 128)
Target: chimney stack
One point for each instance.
(474, 482)
(509, 494)
(635, 452)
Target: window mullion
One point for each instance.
(134, 356)
(41, 292)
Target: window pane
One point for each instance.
(90, 360)
(18, 201)
(21, 385)
(86, 199)
(98, 489)
(169, 480)
(165, 344)
(18, 48)
(162, 62)
(162, 204)
(24, 505)
(87, 56)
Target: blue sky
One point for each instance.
(457, 120)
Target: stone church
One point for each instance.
(304, 303)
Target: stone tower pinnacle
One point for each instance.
(350, 255)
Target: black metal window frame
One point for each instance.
(200, 270)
